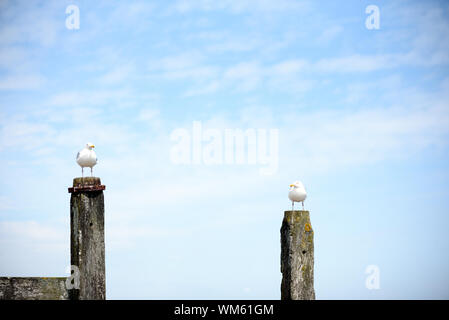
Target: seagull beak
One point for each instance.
(292, 185)
(92, 146)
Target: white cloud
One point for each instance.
(11, 56)
(234, 45)
(117, 75)
(243, 70)
(203, 89)
(6, 203)
(89, 98)
(33, 248)
(291, 75)
(356, 63)
(30, 231)
(183, 66)
(24, 134)
(148, 114)
(329, 34)
(337, 139)
(119, 235)
(131, 12)
(195, 73)
(251, 75)
(241, 6)
(429, 32)
(182, 61)
(22, 82)
(288, 67)
(25, 22)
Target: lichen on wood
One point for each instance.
(87, 250)
(297, 256)
(33, 288)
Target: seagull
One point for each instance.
(297, 193)
(87, 158)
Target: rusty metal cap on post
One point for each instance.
(87, 184)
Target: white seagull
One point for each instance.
(87, 158)
(297, 193)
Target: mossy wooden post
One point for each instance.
(87, 238)
(297, 256)
(33, 288)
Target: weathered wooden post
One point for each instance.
(86, 253)
(87, 238)
(33, 288)
(297, 256)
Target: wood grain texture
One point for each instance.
(87, 250)
(33, 288)
(297, 256)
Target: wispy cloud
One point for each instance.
(330, 33)
(22, 22)
(117, 75)
(356, 63)
(30, 231)
(336, 139)
(88, 98)
(22, 82)
(236, 7)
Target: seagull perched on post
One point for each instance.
(87, 158)
(297, 193)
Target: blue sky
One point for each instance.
(362, 116)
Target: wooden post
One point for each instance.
(33, 288)
(87, 238)
(297, 256)
(86, 253)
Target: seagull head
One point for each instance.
(297, 184)
(89, 146)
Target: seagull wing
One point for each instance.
(78, 155)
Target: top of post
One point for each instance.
(296, 212)
(86, 184)
(296, 215)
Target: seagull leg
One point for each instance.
(303, 205)
(91, 172)
(82, 172)
(293, 206)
